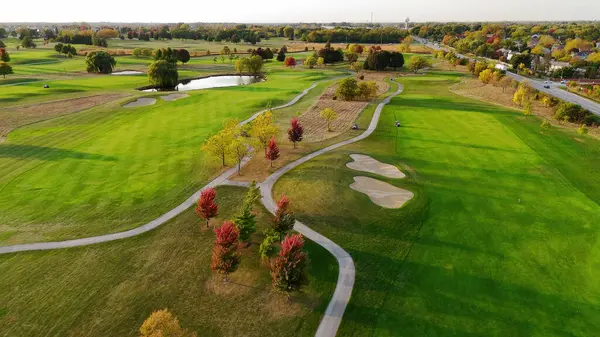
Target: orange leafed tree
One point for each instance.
(226, 256)
(272, 150)
(206, 207)
(290, 62)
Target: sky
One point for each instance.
(277, 11)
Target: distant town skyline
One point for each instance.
(271, 11)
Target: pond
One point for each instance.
(213, 82)
(127, 72)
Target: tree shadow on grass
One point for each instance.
(47, 153)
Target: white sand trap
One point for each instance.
(144, 101)
(368, 164)
(381, 193)
(174, 97)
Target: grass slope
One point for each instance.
(102, 170)
(464, 258)
(109, 289)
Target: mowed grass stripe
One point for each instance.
(464, 257)
(109, 172)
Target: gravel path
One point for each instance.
(335, 310)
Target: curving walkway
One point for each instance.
(220, 180)
(335, 310)
(330, 322)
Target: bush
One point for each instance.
(574, 113)
(367, 90)
(582, 130)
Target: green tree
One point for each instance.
(100, 62)
(163, 74)
(58, 47)
(137, 52)
(347, 89)
(27, 42)
(329, 116)
(255, 64)
(5, 69)
(419, 62)
(351, 57)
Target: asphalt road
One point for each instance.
(554, 90)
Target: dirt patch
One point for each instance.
(14, 117)
(371, 165)
(473, 88)
(241, 282)
(173, 97)
(143, 101)
(315, 127)
(381, 193)
(278, 306)
(259, 168)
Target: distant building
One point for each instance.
(556, 65)
(501, 66)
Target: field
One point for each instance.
(500, 240)
(106, 170)
(111, 288)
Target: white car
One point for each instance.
(548, 82)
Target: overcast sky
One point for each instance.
(297, 11)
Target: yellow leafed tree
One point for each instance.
(329, 116)
(263, 129)
(218, 145)
(162, 323)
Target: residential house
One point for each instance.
(556, 65)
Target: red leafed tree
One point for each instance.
(284, 219)
(290, 62)
(288, 269)
(226, 256)
(296, 132)
(272, 150)
(206, 207)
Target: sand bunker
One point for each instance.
(368, 164)
(144, 101)
(381, 193)
(174, 97)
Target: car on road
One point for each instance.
(563, 82)
(547, 86)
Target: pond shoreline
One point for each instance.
(262, 76)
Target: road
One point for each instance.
(554, 90)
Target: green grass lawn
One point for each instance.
(464, 257)
(106, 170)
(109, 289)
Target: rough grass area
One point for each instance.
(109, 289)
(12, 118)
(501, 238)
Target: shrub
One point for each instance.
(367, 90)
(582, 130)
